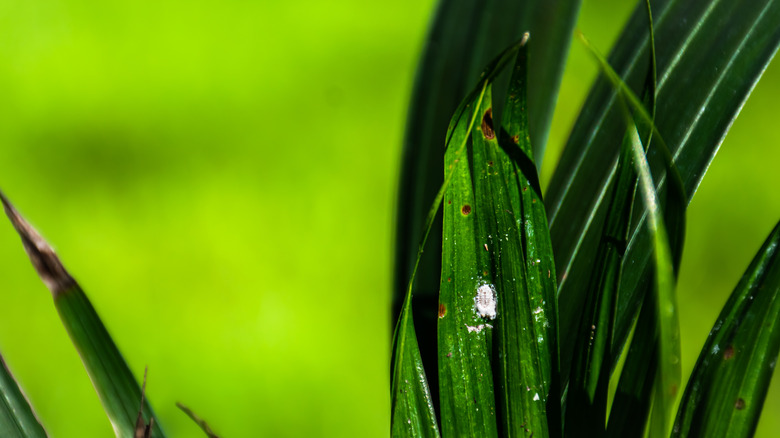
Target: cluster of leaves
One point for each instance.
(613, 217)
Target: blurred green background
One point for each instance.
(220, 177)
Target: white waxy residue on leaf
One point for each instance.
(485, 301)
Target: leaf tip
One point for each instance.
(42, 255)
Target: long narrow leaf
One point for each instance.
(710, 55)
(589, 381)
(483, 299)
(114, 382)
(726, 391)
(669, 369)
(407, 359)
(668, 350)
(668, 380)
(412, 407)
(464, 35)
(465, 331)
(634, 394)
(17, 418)
(519, 170)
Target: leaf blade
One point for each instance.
(726, 391)
(463, 37)
(695, 70)
(111, 377)
(17, 418)
(524, 191)
(483, 278)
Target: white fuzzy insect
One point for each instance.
(485, 301)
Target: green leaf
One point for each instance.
(709, 55)
(634, 394)
(114, 382)
(669, 373)
(589, 382)
(484, 302)
(464, 36)
(519, 169)
(465, 338)
(17, 418)
(412, 407)
(407, 360)
(726, 391)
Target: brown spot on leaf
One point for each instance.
(487, 124)
(728, 353)
(740, 404)
(442, 310)
(465, 210)
(490, 163)
(516, 139)
(449, 280)
(449, 354)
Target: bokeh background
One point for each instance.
(220, 177)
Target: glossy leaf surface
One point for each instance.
(519, 168)
(464, 36)
(726, 391)
(488, 321)
(412, 407)
(709, 55)
(414, 402)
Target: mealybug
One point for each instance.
(485, 301)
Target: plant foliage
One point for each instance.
(616, 226)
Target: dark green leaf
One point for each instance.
(726, 391)
(668, 380)
(465, 332)
(412, 407)
(463, 37)
(669, 375)
(525, 196)
(634, 394)
(407, 358)
(17, 418)
(589, 382)
(118, 390)
(484, 301)
(709, 55)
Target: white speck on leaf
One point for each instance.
(485, 301)
(478, 328)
